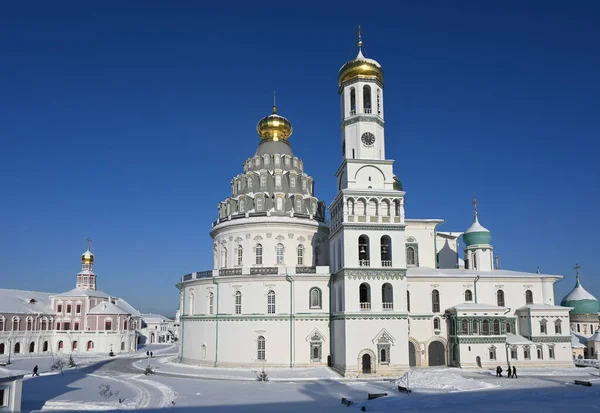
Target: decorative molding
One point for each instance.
(291, 236)
(355, 119)
(280, 238)
(369, 316)
(383, 337)
(365, 273)
(269, 235)
(301, 239)
(248, 236)
(551, 339)
(378, 227)
(258, 238)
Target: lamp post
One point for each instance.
(9, 350)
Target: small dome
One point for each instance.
(360, 67)
(87, 257)
(397, 184)
(477, 234)
(274, 127)
(582, 301)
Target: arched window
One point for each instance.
(224, 257)
(540, 354)
(383, 356)
(298, 204)
(238, 302)
(492, 352)
(410, 256)
(435, 301)
(271, 302)
(45, 346)
(279, 203)
(203, 351)
(300, 252)
(496, 327)
(475, 327)
(543, 327)
(379, 101)
(31, 347)
(17, 348)
(240, 255)
(316, 255)
(29, 324)
(372, 207)
(352, 101)
(350, 207)
(528, 297)
(387, 296)
(258, 252)
(211, 303)
(468, 295)
(500, 298)
(485, 328)
(408, 301)
(2, 323)
(74, 345)
(259, 203)
(60, 345)
(279, 253)
(386, 251)
(191, 310)
(365, 296)
(465, 327)
(367, 98)
(261, 347)
(242, 204)
(436, 324)
(557, 327)
(508, 328)
(15, 324)
(315, 298)
(90, 345)
(363, 251)
(122, 346)
(2, 348)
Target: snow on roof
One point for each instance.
(596, 336)
(578, 341)
(107, 307)
(128, 307)
(25, 302)
(155, 318)
(461, 272)
(83, 292)
(479, 307)
(579, 293)
(544, 307)
(6, 373)
(476, 227)
(515, 339)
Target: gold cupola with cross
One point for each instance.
(86, 279)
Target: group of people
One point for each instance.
(510, 372)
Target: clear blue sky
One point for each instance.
(125, 121)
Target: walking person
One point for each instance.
(151, 355)
(35, 371)
(498, 371)
(508, 372)
(514, 372)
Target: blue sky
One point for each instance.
(125, 121)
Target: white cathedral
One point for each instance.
(370, 292)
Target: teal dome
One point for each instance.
(477, 234)
(581, 301)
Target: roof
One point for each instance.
(6, 373)
(83, 292)
(596, 336)
(476, 227)
(155, 318)
(479, 307)
(578, 293)
(515, 339)
(544, 307)
(107, 307)
(25, 302)
(128, 307)
(578, 341)
(461, 272)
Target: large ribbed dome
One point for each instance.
(582, 301)
(360, 67)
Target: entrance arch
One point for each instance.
(412, 354)
(437, 354)
(366, 362)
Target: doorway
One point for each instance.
(366, 364)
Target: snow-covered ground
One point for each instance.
(181, 388)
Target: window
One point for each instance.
(60, 345)
(540, 352)
(300, 251)
(293, 182)
(223, 257)
(261, 348)
(29, 325)
(78, 309)
(211, 303)
(435, 301)
(249, 182)
(279, 253)
(259, 203)
(45, 346)
(298, 204)
(192, 308)
(74, 346)
(475, 327)
(2, 324)
(367, 99)
(379, 101)
(315, 351)
(386, 251)
(203, 351)
(277, 161)
(124, 325)
(76, 325)
(267, 160)
(240, 255)
(383, 356)
(508, 328)
(68, 308)
(363, 251)
(59, 308)
(543, 329)
(492, 353)
(436, 324)
(303, 184)
(107, 325)
(526, 353)
(500, 298)
(365, 296)
(15, 326)
(263, 180)
(2, 349)
(496, 327)
(238, 302)
(90, 345)
(316, 255)
(31, 347)
(468, 295)
(258, 251)
(315, 298)
(387, 296)
(43, 327)
(485, 328)
(352, 101)
(410, 256)
(279, 203)
(528, 297)
(465, 327)
(557, 327)
(551, 352)
(408, 301)
(242, 206)
(271, 302)
(278, 181)
(17, 348)
(513, 353)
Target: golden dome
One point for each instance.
(274, 127)
(87, 257)
(360, 67)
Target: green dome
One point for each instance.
(581, 301)
(477, 234)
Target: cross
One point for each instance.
(359, 38)
(89, 240)
(577, 267)
(475, 205)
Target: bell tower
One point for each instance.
(86, 279)
(367, 240)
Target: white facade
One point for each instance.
(157, 328)
(11, 387)
(372, 292)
